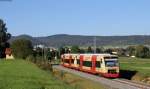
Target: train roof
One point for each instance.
(97, 54)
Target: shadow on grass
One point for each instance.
(127, 74)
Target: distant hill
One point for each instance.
(33, 39)
(69, 40)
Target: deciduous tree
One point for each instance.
(142, 51)
(75, 49)
(22, 48)
(131, 50)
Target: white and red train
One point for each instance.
(106, 65)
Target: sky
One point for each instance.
(76, 17)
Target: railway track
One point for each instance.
(136, 84)
(109, 83)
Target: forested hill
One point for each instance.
(64, 39)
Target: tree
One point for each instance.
(142, 51)
(4, 37)
(89, 50)
(120, 51)
(61, 50)
(82, 50)
(75, 49)
(98, 50)
(131, 50)
(22, 48)
(49, 55)
(67, 49)
(39, 51)
(109, 50)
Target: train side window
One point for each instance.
(66, 61)
(98, 64)
(78, 61)
(72, 61)
(87, 63)
(101, 61)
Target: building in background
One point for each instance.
(8, 53)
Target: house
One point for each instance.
(8, 53)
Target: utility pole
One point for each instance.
(94, 44)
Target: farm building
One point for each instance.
(8, 53)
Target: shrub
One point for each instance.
(31, 58)
(22, 48)
(142, 51)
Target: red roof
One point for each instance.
(8, 51)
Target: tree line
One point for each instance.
(23, 48)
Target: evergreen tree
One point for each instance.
(4, 37)
(89, 50)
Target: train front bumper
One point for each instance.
(110, 75)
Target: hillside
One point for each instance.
(64, 39)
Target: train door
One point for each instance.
(81, 61)
(62, 59)
(75, 61)
(103, 67)
(70, 60)
(98, 64)
(93, 63)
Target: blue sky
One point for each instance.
(77, 17)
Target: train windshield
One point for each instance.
(111, 62)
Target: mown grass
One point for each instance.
(142, 66)
(136, 69)
(20, 74)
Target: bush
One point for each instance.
(22, 48)
(142, 51)
(31, 58)
(130, 50)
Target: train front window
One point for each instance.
(111, 63)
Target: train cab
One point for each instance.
(111, 66)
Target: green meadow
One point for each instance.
(136, 69)
(20, 74)
(141, 66)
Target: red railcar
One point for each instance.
(104, 64)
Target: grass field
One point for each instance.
(138, 66)
(76, 81)
(142, 66)
(20, 74)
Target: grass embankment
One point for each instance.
(136, 68)
(20, 74)
(76, 81)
